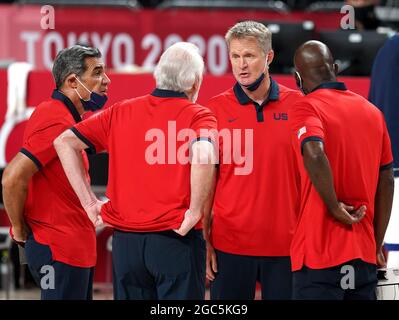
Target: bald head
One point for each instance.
(315, 64)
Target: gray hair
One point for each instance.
(254, 29)
(178, 68)
(72, 60)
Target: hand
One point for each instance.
(211, 262)
(93, 211)
(20, 233)
(381, 261)
(347, 215)
(190, 220)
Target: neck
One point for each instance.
(73, 96)
(260, 94)
(315, 84)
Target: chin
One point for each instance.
(245, 81)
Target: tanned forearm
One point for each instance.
(15, 182)
(319, 171)
(383, 205)
(14, 197)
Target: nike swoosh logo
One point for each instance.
(231, 120)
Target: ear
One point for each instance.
(196, 85)
(270, 57)
(298, 79)
(71, 82)
(335, 68)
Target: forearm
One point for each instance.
(202, 179)
(208, 214)
(320, 175)
(383, 205)
(14, 197)
(72, 162)
(202, 185)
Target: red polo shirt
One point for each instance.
(256, 201)
(148, 184)
(357, 145)
(52, 209)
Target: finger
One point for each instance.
(209, 273)
(99, 222)
(381, 259)
(352, 219)
(214, 263)
(347, 207)
(19, 240)
(381, 262)
(362, 209)
(344, 217)
(179, 232)
(360, 213)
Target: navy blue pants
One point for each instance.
(57, 280)
(237, 276)
(158, 265)
(336, 283)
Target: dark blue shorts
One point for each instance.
(354, 280)
(57, 280)
(237, 276)
(158, 265)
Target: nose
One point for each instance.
(106, 79)
(242, 63)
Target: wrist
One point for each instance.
(207, 238)
(88, 203)
(334, 207)
(18, 227)
(195, 213)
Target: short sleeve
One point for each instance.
(204, 125)
(306, 124)
(94, 131)
(386, 154)
(38, 143)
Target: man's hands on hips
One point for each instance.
(20, 233)
(93, 211)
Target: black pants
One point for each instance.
(237, 276)
(353, 280)
(158, 265)
(57, 280)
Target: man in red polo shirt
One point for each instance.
(156, 197)
(256, 199)
(345, 158)
(46, 215)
